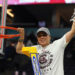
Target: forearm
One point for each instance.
(19, 46)
(69, 36)
(20, 41)
(73, 28)
(71, 33)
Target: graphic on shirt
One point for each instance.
(45, 59)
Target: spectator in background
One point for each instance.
(30, 40)
(10, 50)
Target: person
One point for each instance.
(10, 51)
(50, 55)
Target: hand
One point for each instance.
(21, 31)
(73, 17)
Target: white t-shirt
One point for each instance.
(51, 57)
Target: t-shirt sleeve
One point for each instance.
(62, 41)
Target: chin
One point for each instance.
(43, 44)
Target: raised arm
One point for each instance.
(71, 33)
(20, 41)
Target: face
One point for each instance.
(43, 39)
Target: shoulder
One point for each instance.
(61, 42)
(60, 39)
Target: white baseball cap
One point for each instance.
(44, 29)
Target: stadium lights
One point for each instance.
(9, 12)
